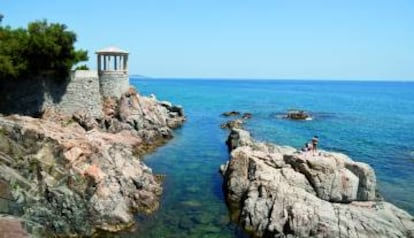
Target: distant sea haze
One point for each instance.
(370, 121)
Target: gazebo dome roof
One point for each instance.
(111, 50)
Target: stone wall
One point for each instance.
(32, 96)
(82, 93)
(113, 83)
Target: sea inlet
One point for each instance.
(369, 121)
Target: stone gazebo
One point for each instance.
(113, 71)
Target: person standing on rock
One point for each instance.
(315, 141)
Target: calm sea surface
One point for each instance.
(372, 122)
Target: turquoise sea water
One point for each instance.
(372, 122)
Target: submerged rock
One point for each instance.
(82, 174)
(275, 191)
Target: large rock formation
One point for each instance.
(275, 191)
(74, 176)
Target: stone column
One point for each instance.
(115, 59)
(98, 61)
(125, 62)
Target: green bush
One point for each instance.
(40, 49)
(82, 67)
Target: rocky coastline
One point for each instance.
(277, 191)
(75, 175)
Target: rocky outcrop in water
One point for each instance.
(297, 115)
(66, 176)
(231, 113)
(236, 123)
(275, 191)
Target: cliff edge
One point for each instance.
(76, 175)
(276, 191)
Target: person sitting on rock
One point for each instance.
(307, 147)
(315, 141)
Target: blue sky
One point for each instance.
(270, 39)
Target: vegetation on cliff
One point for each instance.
(41, 48)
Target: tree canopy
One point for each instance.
(42, 48)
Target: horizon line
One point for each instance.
(270, 79)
